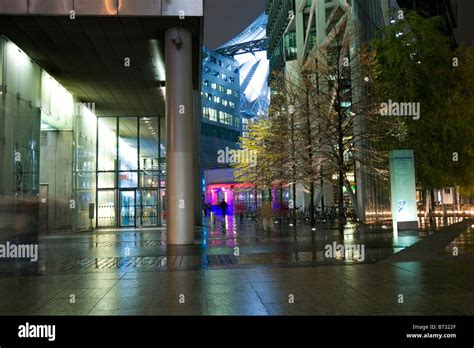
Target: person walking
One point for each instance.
(266, 214)
(224, 206)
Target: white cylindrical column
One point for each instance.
(180, 137)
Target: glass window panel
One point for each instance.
(163, 169)
(128, 143)
(107, 143)
(128, 179)
(127, 208)
(163, 182)
(164, 207)
(147, 207)
(13, 61)
(106, 180)
(149, 143)
(106, 209)
(149, 179)
(162, 139)
(85, 135)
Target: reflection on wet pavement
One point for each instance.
(463, 245)
(234, 269)
(226, 244)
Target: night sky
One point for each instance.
(465, 30)
(225, 19)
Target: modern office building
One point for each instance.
(221, 121)
(100, 101)
(296, 30)
(249, 49)
(247, 53)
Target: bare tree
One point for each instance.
(349, 120)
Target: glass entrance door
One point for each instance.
(147, 207)
(130, 171)
(127, 208)
(163, 206)
(106, 208)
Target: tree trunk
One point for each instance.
(281, 202)
(311, 204)
(293, 188)
(341, 201)
(432, 207)
(255, 199)
(443, 207)
(455, 202)
(322, 196)
(310, 154)
(353, 199)
(426, 204)
(340, 144)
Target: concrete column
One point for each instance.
(180, 136)
(197, 160)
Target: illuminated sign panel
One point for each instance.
(403, 189)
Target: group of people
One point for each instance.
(265, 213)
(208, 208)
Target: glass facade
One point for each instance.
(221, 124)
(20, 116)
(115, 165)
(131, 173)
(251, 56)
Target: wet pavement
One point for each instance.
(235, 269)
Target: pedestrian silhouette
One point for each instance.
(224, 206)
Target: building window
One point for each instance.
(225, 102)
(213, 60)
(290, 44)
(219, 132)
(224, 77)
(228, 119)
(212, 114)
(236, 94)
(237, 121)
(221, 89)
(205, 112)
(208, 96)
(221, 116)
(232, 105)
(214, 85)
(216, 73)
(231, 79)
(216, 99)
(229, 91)
(205, 82)
(225, 118)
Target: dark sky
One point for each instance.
(225, 19)
(465, 31)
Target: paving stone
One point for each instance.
(216, 282)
